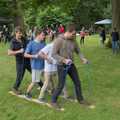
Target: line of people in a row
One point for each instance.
(58, 57)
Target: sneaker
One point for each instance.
(42, 100)
(56, 106)
(87, 104)
(17, 92)
(83, 102)
(28, 95)
(69, 98)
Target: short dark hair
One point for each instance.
(18, 29)
(38, 31)
(71, 27)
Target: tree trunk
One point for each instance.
(116, 15)
(18, 17)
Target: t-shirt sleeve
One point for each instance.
(45, 49)
(29, 48)
(11, 47)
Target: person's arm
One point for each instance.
(43, 55)
(14, 52)
(82, 58)
(28, 51)
(26, 55)
(56, 47)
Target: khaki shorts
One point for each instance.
(36, 75)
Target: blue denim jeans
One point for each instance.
(72, 72)
(115, 46)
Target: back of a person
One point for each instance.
(103, 34)
(115, 36)
(50, 67)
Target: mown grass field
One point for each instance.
(105, 77)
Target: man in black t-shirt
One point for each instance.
(17, 48)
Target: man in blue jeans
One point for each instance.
(63, 48)
(115, 38)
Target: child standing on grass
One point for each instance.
(37, 63)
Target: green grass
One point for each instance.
(105, 76)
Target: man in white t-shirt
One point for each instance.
(50, 70)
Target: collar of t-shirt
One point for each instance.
(37, 41)
(15, 40)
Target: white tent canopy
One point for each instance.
(103, 22)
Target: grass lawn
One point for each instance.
(105, 76)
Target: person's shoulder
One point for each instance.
(31, 43)
(51, 44)
(13, 41)
(60, 37)
(48, 46)
(43, 43)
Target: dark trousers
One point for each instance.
(72, 72)
(82, 40)
(115, 46)
(20, 70)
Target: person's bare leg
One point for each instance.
(30, 87)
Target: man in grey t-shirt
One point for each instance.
(63, 48)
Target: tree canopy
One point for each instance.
(41, 12)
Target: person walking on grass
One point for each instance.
(17, 47)
(50, 70)
(115, 39)
(63, 48)
(102, 36)
(37, 63)
(82, 36)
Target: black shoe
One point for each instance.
(56, 106)
(42, 100)
(28, 95)
(87, 104)
(16, 91)
(71, 98)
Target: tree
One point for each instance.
(32, 12)
(116, 14)
(86, 12)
